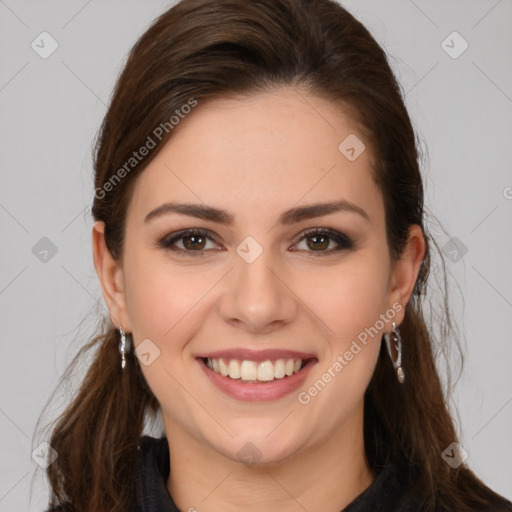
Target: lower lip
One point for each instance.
(257, 392)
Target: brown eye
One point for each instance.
(192, 241)
(195, 242)
(320, 239)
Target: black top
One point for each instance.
(387, 492)
(383, 494)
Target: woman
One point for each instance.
(260, 242)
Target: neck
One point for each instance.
(325, 476)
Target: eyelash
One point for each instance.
(342, 240)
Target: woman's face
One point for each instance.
(257, 287)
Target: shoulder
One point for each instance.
(480, 499)
(396, 488)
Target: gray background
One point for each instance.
(50, 112)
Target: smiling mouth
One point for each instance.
(255, 372)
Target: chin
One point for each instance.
(260, 450)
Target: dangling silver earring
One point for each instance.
(397, 342)
(123, 346)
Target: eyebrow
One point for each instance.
(288, 217)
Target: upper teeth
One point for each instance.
(251, 370)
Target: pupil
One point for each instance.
(322, 244)
(194, 239)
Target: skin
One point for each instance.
(255, 157)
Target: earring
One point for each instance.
(123, 346)
(397, 342)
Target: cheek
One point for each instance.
(347, 298)
(351, 306)
(166, 306)
(161, 301)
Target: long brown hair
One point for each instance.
(202, 49)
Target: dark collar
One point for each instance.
(152, 493)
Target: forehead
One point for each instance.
(261, 154)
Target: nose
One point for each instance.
(258, 296)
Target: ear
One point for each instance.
(110, 274)
(405, 271)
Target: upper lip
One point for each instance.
(256, 355)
